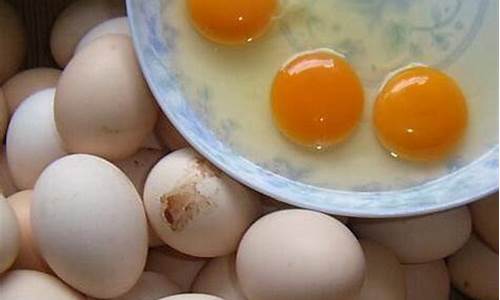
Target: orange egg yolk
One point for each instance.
(420, 114)
(317, 99)
(232, 21)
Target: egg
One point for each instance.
(299, 254)
(170, 137)
(33, 285)
(180, 268)
(190, 205)
(384, 278)
(420, 114)
(7, 186)
(75, 21)
(4, 115)
(485, 219)
(90, 225)
(103, 105)
(12, 41)
(418, 239)
(474, 270)
(9, 236)
(112, 26)
(219, 278)
(192, 297)
(29, 255)
(26, 83)
(317, 99)
(232, 22)
(427, 281)
(151, 286)
(31, 146)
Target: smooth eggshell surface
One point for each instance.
(103, 105)
(12, 41)
(151, 286)
(10, 239)
(4, 115)
(300, 254)
(169, 135)
(28, 82)
(33, 145)
(90, 225)
(419, 239)
(192, 297)
(7, 186)
(485, 219)
(427, 281)
(33, 285)
(113, 26)
(76, 20)
(474, 270)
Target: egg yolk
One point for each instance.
(232, 21)
(420, 114)
(317, 99)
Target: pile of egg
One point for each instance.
(97, 207)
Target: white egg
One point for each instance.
(10, 239)
(180, 268)
(90, 225)
(427, 281)
(12, 41)
(32, 139)
(112, 26)
(484, 214)
(192, 297)
(474, 270)
(4, 115)
(300, 254)
(195, 208)
(218, 277)
(419, 239)
(151, 286)
(7, 186)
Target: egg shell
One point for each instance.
(33, 285)
(12, 41)
(4, 115)
(7, 186)
(112, 26)
(29, 255)
(218, 277)
(103, 105)
(474, 270)
(190, 205)
(300, 254)
(384, 277)
(180, 268)
(427, 281)
(419, 239)
(26, 83)
(32, 146)
(90, 225)
(151, 286)
(76, 20)
(192, 297)
(10, 239)
(169, 135)
(484, 215)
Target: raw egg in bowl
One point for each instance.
(359, 108)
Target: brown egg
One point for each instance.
(4, 115)
(26, 83)
(29, 255)
(7, 185)
(485, 219)
(103, 105)
(12, 41)
(427, 281)
(76, 20)
(167, 133)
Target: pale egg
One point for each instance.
(300, 254)
(192, 297)
(7, 186)
(4, 115)
(90, 225)
(484, 214)
(419, 239)
(151, 286)
(12, 41)
(32, 146)
(427, 281)
(113, 26)
(10, 239)
(169, 135)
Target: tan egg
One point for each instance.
(29, 255)
(4, 115)
(485, 219)
(112, 26)
(7, 186)
(474, 270)
(384, 278)
(33, 285)
(103, 105)
(32, 146)
(151, 286)
(90, 225)
(167, 133)
(12, 41)
(300, 254)
(192, 297)
(28, 82)
(418, 239)
(427, 281)
(10, 239)
(76, 20)
(178, 267)
(219, 278)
